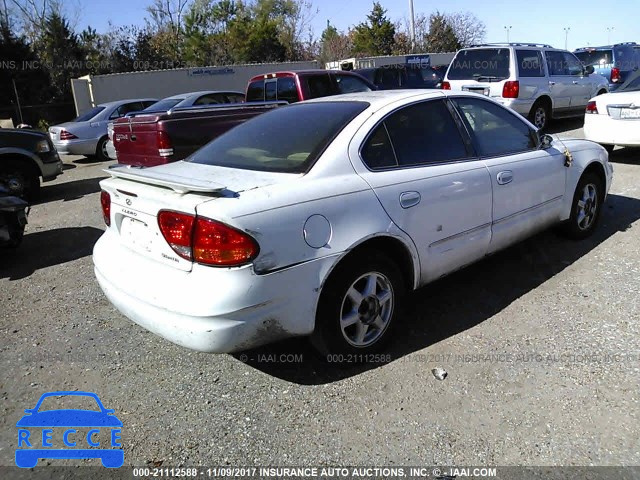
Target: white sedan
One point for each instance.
(316, 218)
(614, 118)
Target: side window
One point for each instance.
(287, 90)
(530, 63)
(122, 110)
(496, 131)
(389, 78)
(234, 98)
(556, 63)
(319, 86)
(208, 99)
(377, 151)
(255, 91)
(425, 133)
(147, 103)
(574, 66)
(351, 84)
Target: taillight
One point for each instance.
(592, 108)
(177, 230)
(105, 201)
(64, 135)
(206, 241)
(446, 86)
(165, 148)
(215, 243)
(615, 75)
(511, 89)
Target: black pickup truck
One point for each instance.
(26, 156)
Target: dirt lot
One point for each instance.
(541, 344)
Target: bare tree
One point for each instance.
(32, 15)
(297, 25)
(468, 28)
(168, 16)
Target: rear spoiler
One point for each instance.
(172, 181)
(212, 108)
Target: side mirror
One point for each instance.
(588, 70)
(546, 141)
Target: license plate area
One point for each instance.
(481, 90)
(137, 234)
(630, 113)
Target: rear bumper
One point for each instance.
(214, 310)
(523, 107)
(607, 131)
(76, 147)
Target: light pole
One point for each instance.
(566, 37)
(609, 30)
(413, 27)
(508, 29)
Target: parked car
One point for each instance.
(191, 99)
(615, 62)
(293, 87)
(316, 218)
(26, 156)
(148, 139)
(614, 119)
(87, 134)
(537, 81)
(390, 77)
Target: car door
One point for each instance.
(561, 83)
(528, 182)
(581, 91)
(425, 175)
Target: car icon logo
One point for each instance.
(69, 433)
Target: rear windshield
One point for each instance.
(481, 64)
(595, 57)
(163, 105)
(288, 139)
(85, 117)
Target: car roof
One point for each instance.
(201, 92)
(607, 47)
(380, 98)
(316, 71)
(129, 100)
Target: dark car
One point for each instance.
(615, 62)
(293, 87)
(25, 157)
(390, 77)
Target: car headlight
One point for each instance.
(42, 147)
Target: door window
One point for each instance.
(495, 130)
(351, 84)
(287, 90)
(530, 63)
(319, 86)
(255, 91)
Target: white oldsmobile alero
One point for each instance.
(316, 218)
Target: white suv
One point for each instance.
(538, 81)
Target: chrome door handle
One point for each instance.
(552, 83)
(505, 177)
(575, 82)
(409, 199)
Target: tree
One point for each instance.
(468, 28)
(33, 15)
(167, 16)
(441, 37)
(334, 45)
(375, 37)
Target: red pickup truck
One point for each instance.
(148, 139)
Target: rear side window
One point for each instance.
(89, 115)
(595, 57)
(424, 133)
(319, 86)
(530, 63)
(351, 84)
(495, 130)
(287, 89)
(255, 91)
(288, 139)
(480, 63)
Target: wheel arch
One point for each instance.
(544, 98)
(593, 166)
(21, 156)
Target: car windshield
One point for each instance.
(480, 64)
(163, 105)
(85, 117)
(288, 139)
(595, 57)
(69, 402)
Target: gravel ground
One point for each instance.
(542, 356)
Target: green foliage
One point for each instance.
(441, 36)
(375, 37)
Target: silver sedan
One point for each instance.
(87, 134)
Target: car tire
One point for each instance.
(585, 207)
(101, 149)
(540, 114)
(20, 178)
(359, 306)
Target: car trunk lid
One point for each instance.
(135, 139)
